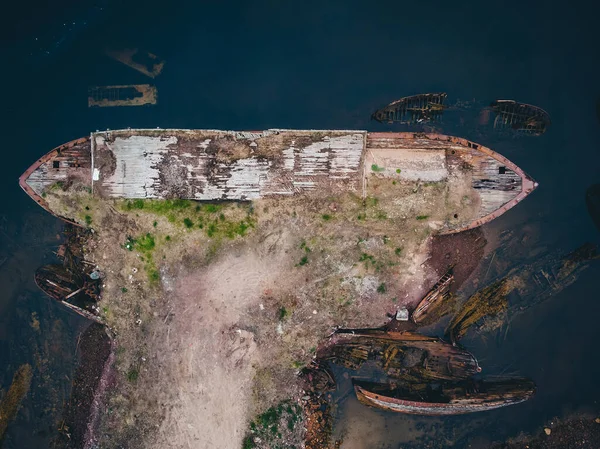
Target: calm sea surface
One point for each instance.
(255, 65)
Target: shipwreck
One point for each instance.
(143, 61)
(401, 355)
(520, 117)
(126, 95)
(446, 398)
(423, 108)
(206, 165)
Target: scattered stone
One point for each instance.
(547, 430)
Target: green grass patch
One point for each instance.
(188, 223)
(381, 288)
(422, 217)
(398, 251)
(371, 201)
(123, 289)
(377, 168)
(305, 247)
(145, 243)
(303, 261)
(132, 375)
(88, 220)
(326, 217)
(282, 313)
(398, 171)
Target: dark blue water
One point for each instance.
(254, 65)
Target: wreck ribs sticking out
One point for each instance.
(415, 109)
(520, 117)
(402, 355)
(206, 165)
(449, 398)
(434, 298)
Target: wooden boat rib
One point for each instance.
(521, 117)
(209, 165)
(446, 399)
(434, 297)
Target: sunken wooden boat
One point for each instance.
(434, 299)
(401, 355)
(70, 289)
(477, 184)
(423, 108)
(447, 398)
(125, 95)
(520, 117)
(143, 61)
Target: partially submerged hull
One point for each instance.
(206, 165)
(520, 117)
(434, 298)
(423, 108)
(448, 399)
(125, 95)
(71, 290)
(402, 355)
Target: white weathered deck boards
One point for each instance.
(137, 160)
(168, 164)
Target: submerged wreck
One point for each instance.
(402, 355)
(74, 283)
(520, 117)
(207, 165)
(435, 301)
(126, 95)
(144, 62)
(447, 398)
(423, 108)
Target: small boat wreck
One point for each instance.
(206, 165)
(446, 398)
(70, 289)
(434, 299)
(402, 355)
(144, 62)
(423, 108)
(520, 117)
(126, 95)
(74, 283)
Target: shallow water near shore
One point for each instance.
(267, 65)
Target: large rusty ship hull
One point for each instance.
(453, 399)
(208, 165)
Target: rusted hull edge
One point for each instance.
(429, 408)
(47, 157)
